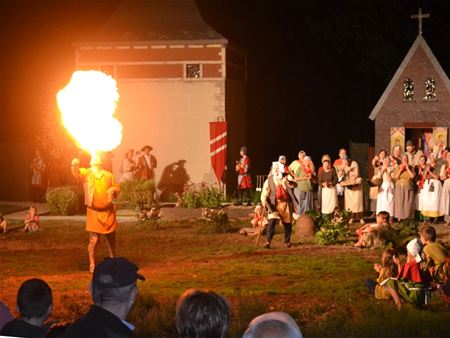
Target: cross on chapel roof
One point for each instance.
(419, 16)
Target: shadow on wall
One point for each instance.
(173, 179)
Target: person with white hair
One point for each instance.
(273, 324)
(278, 198)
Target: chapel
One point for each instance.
(416, 103)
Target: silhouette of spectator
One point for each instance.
(34, 302)
(202, 314)
(5, 315)
(273, 324)
(113, 290)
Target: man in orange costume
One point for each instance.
(99, 191)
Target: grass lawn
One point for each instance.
(320, 286)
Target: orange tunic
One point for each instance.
(101, 213)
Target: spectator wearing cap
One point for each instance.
(34, 302)
(113, 290)
(413, 153)
(202, 314)
(410, 279)
(273, 324)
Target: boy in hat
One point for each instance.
(113, 290)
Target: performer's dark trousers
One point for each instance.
(244, 195)
(271, 230)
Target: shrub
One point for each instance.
(216, 221)
(138, 193)
(397, 238)
(333, 228)
(200, 195)
(65, 200)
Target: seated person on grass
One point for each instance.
(368, 233)
(32, 220)
(435, 254)
(3, 225)
(386, 270)
(410, 279)
(34, 302)
(258, 222)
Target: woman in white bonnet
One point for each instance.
(410, 279)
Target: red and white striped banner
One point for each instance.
(218, 147)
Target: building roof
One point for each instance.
(418, 43)
(154, 21)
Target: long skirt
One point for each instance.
(329, 200)
(354, 198)
(385, 198)
(431, 197)
(403, 202)
(445, 200)
(305, 200)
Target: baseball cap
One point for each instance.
(115, 272)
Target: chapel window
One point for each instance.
(408, 89)
(430, 89)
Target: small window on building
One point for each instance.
(430, 89)
(408, 89)
(193, 71)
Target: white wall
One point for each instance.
(173, 117)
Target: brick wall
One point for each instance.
(395, 112)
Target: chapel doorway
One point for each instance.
(421, 137)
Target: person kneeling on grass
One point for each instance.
(386, 270)
(368, 233)
(410, 279)
(258, 222)
(34, 302)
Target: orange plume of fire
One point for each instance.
(87, 105)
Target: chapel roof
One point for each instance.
(155, 21)
(418, 43)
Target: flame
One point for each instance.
(87, 105)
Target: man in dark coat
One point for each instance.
(113, 291)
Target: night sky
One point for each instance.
(315, 69)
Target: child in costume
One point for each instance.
(32, 220)
(386, 270)
(368, 233)
(258, 222)
(3, 225)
